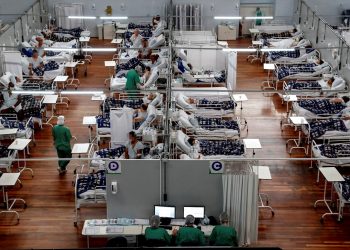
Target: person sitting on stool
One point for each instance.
(155, 235)
(189, 235)
(223, 235)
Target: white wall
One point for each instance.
(17, 7)
(144, 9)
(329, 9)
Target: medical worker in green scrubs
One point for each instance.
(223, 235)
(154, 232)
(189, 235)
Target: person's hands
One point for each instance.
(74, 138)
(174, 233)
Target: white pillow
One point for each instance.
(182, 102)
(152, 79)
(181, 140)
(156, 101)
(26, 45)
(25, 65)
(338, 84)
(182, 54)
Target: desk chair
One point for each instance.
(117, 242)
(155, 243)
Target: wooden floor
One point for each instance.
(48, 220)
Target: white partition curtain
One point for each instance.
(62, 11)
(188, 16)
(121, 121)
(240, 191)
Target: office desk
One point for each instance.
(21, 145)
(72, 66)
(79, 149)
(89, 121)
(252, 144)
(330, 174)
(297, 122)
(111, 230)
(10, 180)
(50, 99)
(263, 173)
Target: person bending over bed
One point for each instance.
(40, 46)
(343, 100)
(133, 81)
(133, 147)
(136, 39)
(35, 62)
(144, 52)
(141, 113)
(194, 148)
(12, 102)
(146, 74)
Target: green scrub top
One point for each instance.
(132, 79)
(258, 21)
(157, 234)
(61, 136)
(190, 235)
(223, 236)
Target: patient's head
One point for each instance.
(345, 99)
(136, 32)
(35, 54)
(330, 81)
(191, 141)
(144, 107)
(151, 96)
(144, 43)
(154, 58)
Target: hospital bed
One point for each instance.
(114, 152)
(343, 191)
(327, 129)
(118, 83)
(211, 148)
(205, 105)
(103, 125)
(314, 87)
(208, 126)
(195, 37)
(317, 108)
(307, 71)
(52, 70)
(25, 129)
(7, 157)
(296, 56)
(89, 189)
(273, 29)
(32, 84)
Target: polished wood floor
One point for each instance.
(48, 220)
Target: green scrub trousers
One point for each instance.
(62, 138)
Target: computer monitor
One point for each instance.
(165, 211)
(197, 212)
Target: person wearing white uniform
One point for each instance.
(12, 102)
(194, 145)
(136, 39)
(133, 147)
(141, 113)
(35, 62)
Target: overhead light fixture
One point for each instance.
(61, 49)
(95, 93)
(258, 17)
(227, 17)
(238, 50)
(33, 92)
(99, 49)
(114, 17)
(81, 17)
(276, 50)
